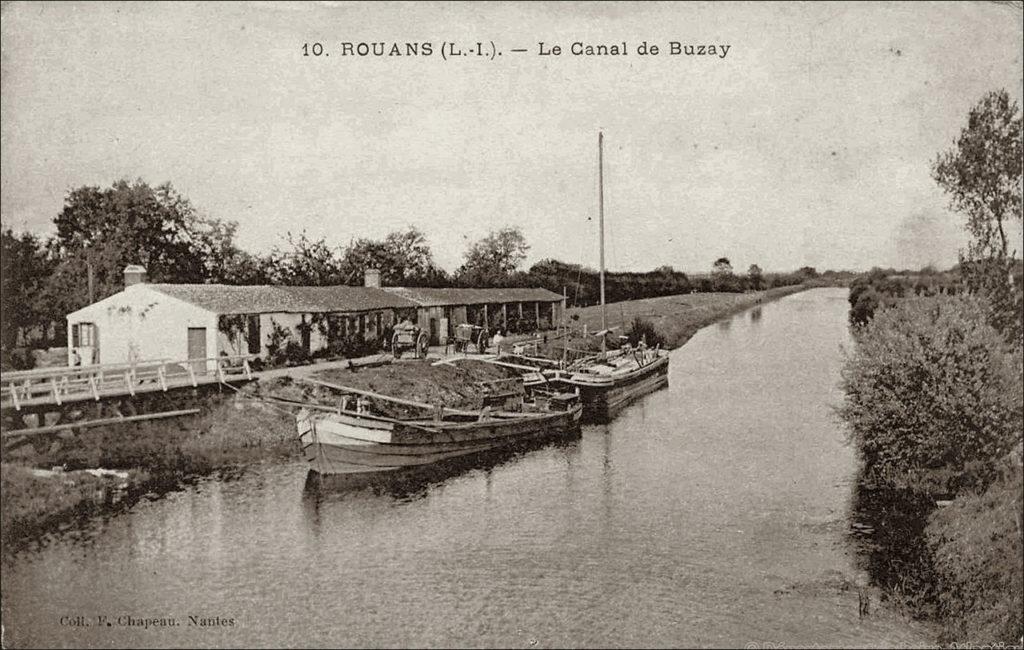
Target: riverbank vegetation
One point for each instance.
(45, 482)
(674, 319)
(935, 404)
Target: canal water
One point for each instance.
(712, 513)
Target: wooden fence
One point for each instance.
(57, 386)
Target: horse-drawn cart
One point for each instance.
(409, 337)
(467, 336)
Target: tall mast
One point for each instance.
(600, 219)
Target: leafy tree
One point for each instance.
(722, 266)
(26, 265)
(133, 223)
(306, 262)
(403, 258)
(808, 272)
(723, 278)
(492, 260)
(246, 268)
(755, 277)
(982, 174)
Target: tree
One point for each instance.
(26, 265)
(808, 272)
(982, 174)
(308, 263)
(492, 260)
(403, 258)
(723, 278)
(104, 230)
(755, 277)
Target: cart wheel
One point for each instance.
(421, 346)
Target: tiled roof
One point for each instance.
(230, 299)
(431, 297)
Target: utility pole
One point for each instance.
(88, 267)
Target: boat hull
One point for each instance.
(353, 444)
(603, 397)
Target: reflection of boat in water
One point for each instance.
(346, 440)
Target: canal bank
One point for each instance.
(677, 318)
(712, 513)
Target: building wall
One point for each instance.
(550, 313)
(346, 323)
(139, 324)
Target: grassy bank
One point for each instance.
(36, 499)
(935, 407)
(43, 484)
(677, 318)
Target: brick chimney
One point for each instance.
(134, 274)
(371, 278)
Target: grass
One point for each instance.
(678, 317)
(35, 499)
(227, 434)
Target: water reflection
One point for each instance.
(755, 315)
(416, 483)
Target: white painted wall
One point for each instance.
(140, 324)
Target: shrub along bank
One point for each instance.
(935, 406)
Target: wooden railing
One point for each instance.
(66, 384)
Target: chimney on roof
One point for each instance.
(371, 278)
(134, 274)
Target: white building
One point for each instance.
(174, 322)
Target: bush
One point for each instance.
(863, 305)
(933, 396)
(282, 350)
(644, 330)
(353, 346)
(977, 547)
(17, 359)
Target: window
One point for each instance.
(83, 335)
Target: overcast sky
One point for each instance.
(810, 142)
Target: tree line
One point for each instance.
(100, 231)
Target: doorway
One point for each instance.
(197, 349)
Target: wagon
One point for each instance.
(467, 335)
(409, 338)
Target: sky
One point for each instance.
(809, 143)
